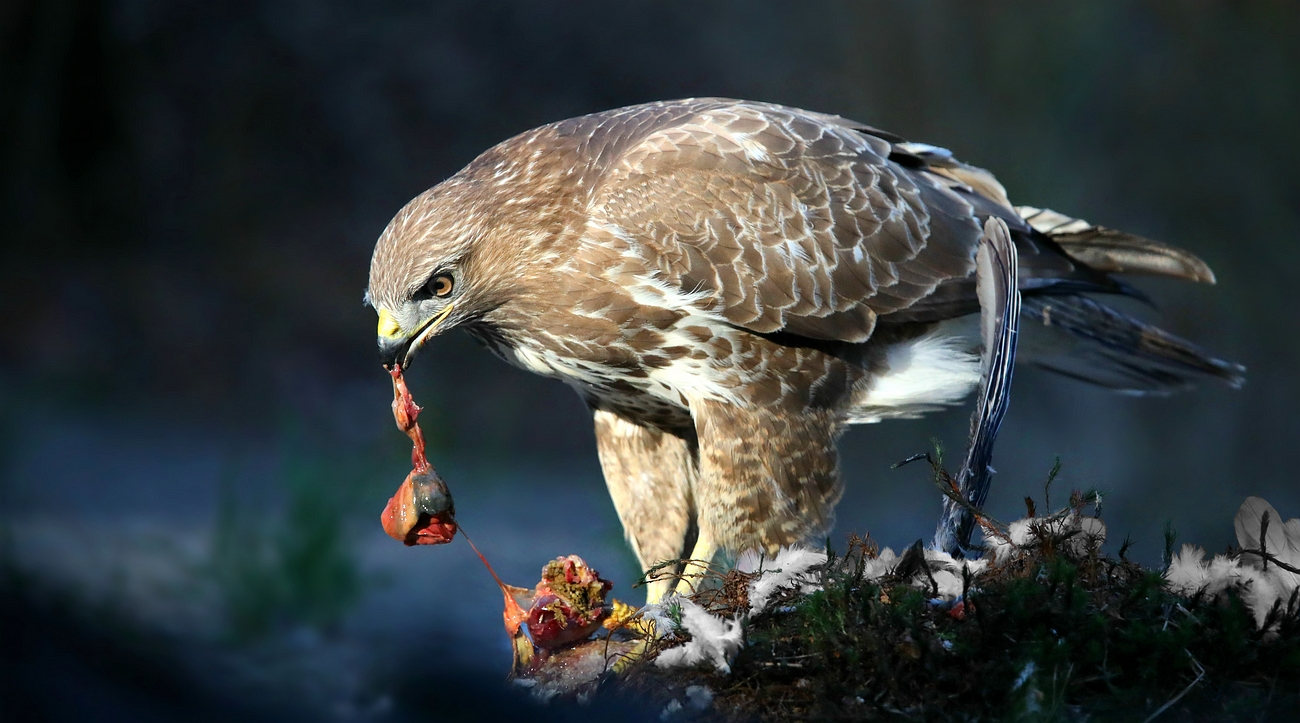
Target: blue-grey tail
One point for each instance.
(1082, 338)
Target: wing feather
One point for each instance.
(789, 221)
(778, 220)
(1114, 251)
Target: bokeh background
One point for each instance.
(195, 440)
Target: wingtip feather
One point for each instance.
(1112, 251)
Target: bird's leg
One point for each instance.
(697, 566)
(649, 473)
(769, 475)
(659, 588)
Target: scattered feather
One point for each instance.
(790, 569)
(659, 615)
(713, 640)
(1281, 540)
(1077, 533)
(699, 697)
(1261, 585)
(672, 709)
(883, 564)
(1187, 574)
(948, 573)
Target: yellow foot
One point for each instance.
(628, 618)
(631, 657)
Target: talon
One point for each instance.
(620, 614)
(626, 617)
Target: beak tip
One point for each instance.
(391, 354)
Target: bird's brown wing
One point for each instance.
(778, 220)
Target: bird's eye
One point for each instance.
(440, 285)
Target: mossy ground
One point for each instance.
(1049, 636)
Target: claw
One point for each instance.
(625, 617)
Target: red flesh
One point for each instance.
(552, 620)
(401, 519)
(555, 621)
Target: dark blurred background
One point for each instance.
(195, 439)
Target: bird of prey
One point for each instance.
(728, 284)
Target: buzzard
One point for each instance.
(728, 284)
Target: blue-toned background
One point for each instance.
(195, 440)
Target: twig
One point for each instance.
(657, 571)
(1047, 486)
(1263, 538)
(1199, 675)
(952, 494)
(1270, 557)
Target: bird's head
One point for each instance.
(460, 253)
(423, 275)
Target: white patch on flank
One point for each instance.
(920, 375)
(754, 150)
(533, 361)
(612, 229)
(798, 254)
(922, 148)
(692, 378)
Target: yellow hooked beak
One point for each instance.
(388, 326)
(397, 347)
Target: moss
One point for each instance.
(1045, 637)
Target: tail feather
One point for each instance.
(1081, 338)
(1111, 251)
